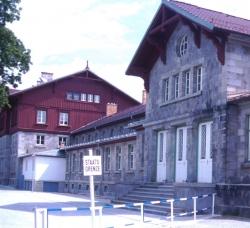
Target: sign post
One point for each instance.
(92, 166)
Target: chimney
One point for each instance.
(111, 109)
(144, 96)
(47, 76)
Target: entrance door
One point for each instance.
(161, 156)
(181, 155)
(204, 153)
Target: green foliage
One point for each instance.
(9, 11)
(14, 57)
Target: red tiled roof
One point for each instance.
(218, 19)
(127, 113)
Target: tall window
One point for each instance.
(166, 90)
(130, 156)
(62, 141)
(180, 145)
(203, 141)
(74, 163)
(186, 83)
(118, 158)
(183, 45)
(97, 98)
(81, 162)
(90, 97)
(176, 86)
(107, 159)
(63, 119)
(40, 139)
(41, 117)
(83, 97)
(197, 80)
(161, 147)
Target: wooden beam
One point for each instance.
(219, 42)
(159, 28)
(196, 31)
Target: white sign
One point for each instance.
(92, 165)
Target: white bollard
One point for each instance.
(213, 203)
(172, 212)
(195, 206)
(40, 218)
(142, 212)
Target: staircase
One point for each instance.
(150, 192)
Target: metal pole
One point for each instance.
(213, 203)
(142, 213)
(172, 212)
(92, 195)
(195, 207)
(35, 218)
(100, 217)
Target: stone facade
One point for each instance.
(122, 152)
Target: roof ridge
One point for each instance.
(208, 10)
(127, 110)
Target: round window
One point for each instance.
(182, 46)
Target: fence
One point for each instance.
(41, 215)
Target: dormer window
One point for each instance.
(182, 46)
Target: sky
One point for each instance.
(62, 35)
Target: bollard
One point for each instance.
(213, 203)
(195, 206)
(40, 218)
(172, 212)
(142, 213)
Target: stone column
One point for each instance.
(170, 156)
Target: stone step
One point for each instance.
(150, 190)
(154, 194)
(140, 198)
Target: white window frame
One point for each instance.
(107, 161)
(63, 119)
(118, 158)
(90, 97)
(166, 90)
(198, 78)
(131, 158)
(83, 97)
(186, 83)
(41, 116)
(97, 99)
(40, 140)
(183, 45)
(176, 86)
(62, 139)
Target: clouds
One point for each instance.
(63, 34)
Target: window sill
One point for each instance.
(130, 171)
(118, 172)
(181, 98)
(245, 165)
(40, 146)
(64, 126)
(106, 172)
(41, 124)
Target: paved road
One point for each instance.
(16, 211)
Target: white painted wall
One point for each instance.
(45, 169)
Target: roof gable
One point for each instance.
(215, 25)
(85, 73)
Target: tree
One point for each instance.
(14, 57)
